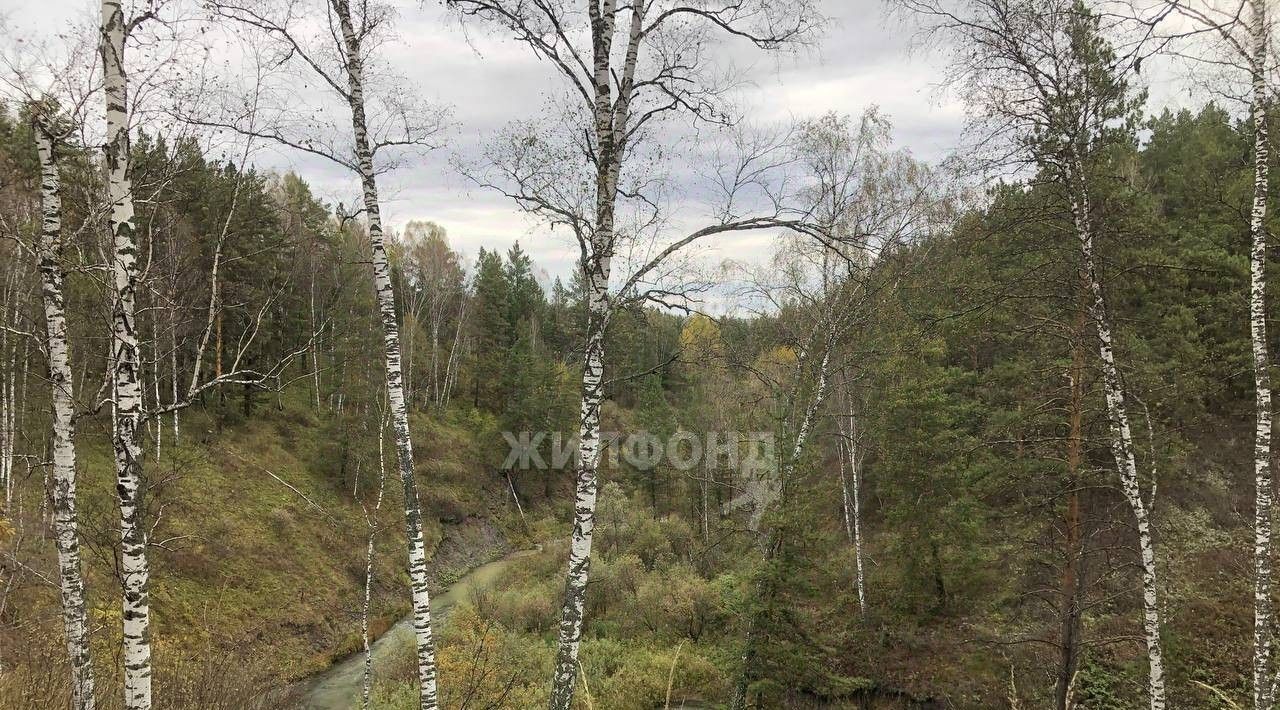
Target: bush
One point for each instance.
(630, 676)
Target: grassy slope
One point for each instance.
(259, 576)
(253, 572)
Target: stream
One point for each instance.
(338, 687)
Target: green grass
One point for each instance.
(250, 567)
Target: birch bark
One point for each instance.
(608, 85)
(451, 367)
(391, 343)
(5, 472)
(773, 543)
(585, 492)
(1262, 684)
(315, 345)
(854, 514)
(8, 356)
(70, 570)
(610, 129)
(136, 612)
(173, 367)
(366, 683)
(1121, 439)
(846, 511)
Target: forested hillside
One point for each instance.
(992, 431)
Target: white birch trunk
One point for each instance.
(571, 618)
(173, 370)
(815, 404)
(519, 508)
(704, 493)
(846, 504)
(610, 127)
(772, 543)
(213, 319)
(435, 356)
(5, 472)
(70, 574)
(853, 506)
(395, 382)
(366, 683)
(451, 368)
(15, 397)
(409, 352)
(127, 418)
(155, 383)
(1262, 685)
(18, 393)
(8, 356)
(1121, 440)
(315, 340)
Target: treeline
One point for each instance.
(991, 559)
(1008, 422)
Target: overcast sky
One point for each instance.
(865, 60)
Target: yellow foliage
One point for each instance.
(780, 356)
(490, 666)
(700, 339)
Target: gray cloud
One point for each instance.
(490, 80)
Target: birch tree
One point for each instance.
(436, 291)
(1048, 91)
(10, 310)
(850, 454)
(811, 285)
(869, 200)
(56, 84)
(624, 68)
(371, 521)
(1259, 38)
(1235, 38)
(339, 55)
(57, 345)
(125, 361)
(129, 410)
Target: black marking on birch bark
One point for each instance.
(70, 569)
(1263, 683)
(385, 292)
(1121, 435)
(125, 362)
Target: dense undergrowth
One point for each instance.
(259, 550)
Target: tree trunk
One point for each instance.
(571, 618)
(853, 500)
(1262, 684)
(70, 571)
(8, 395)
(773, 542)
(451, 368)
(5, 365)
(315, 340)
(127, 419)
(395, 382)
(157, 436)
(1069, 633)
(1121, 440)
(410, 349)
(435, 357)
(366, 683)
(846, 503)
(703, 486)
(610, 129)
(173, 369)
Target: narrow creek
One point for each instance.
(338, 687)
